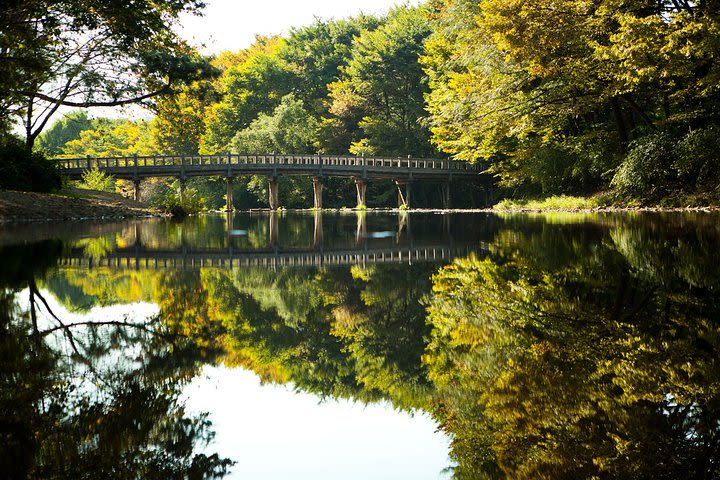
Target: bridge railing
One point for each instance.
(185, 260)
(265, 159)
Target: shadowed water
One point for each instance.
(333, 346)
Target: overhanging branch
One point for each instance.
(111, 103)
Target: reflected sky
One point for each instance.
(277, 432)
(274, 432)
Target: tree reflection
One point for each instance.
(587, 369)
(94, 399)
(572, 350)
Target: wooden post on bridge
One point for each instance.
(273, 193)
(136, 189)
(317, 193)
(445, 193)
(229, 207)
(403, 189)
(181, 188)
(361, 187)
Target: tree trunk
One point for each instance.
(619, 121)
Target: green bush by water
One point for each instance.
(561, 202)
(660, 163)
(97, 180)
(179, 206)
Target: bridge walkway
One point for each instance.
(402, 171)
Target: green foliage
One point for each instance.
(22, 169)
(64, 130)
(95, 179)
(95, 54)
(384, 85)
(647, 165)
(179, 204)
(112, 138)
(660, 162)
(561, 202)
(254, 84)
(317, 53)
(179, 122)
(698, 157)
(551, 98)
(289, 129)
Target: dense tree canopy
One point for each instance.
(383, 84)
(553, 94)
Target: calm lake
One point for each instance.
(362, 346)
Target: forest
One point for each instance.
(614, 100)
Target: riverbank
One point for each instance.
(78, 204)
(610, 202)
(69, 204)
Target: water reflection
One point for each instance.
(545, 346)
(582, 351)
(73, 404)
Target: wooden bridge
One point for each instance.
(403, 171)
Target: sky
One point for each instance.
(233, 24)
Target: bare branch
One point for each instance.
(110, 103)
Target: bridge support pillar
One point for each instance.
(317, 230)
(229, 207)
(136, 189)
(403, 189)
(403, 224)
(445, 193)
(273, 193)
(361, 228)
(361, 187)
(274, 227)
(181, 188)
(317, 193)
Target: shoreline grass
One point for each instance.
(559, 202)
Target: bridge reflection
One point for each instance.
(364, 246)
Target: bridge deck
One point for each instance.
(232, 165)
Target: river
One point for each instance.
(362, 345)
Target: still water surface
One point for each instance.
(362, 346)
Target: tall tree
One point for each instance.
(90, 53)
(64, 130)
(385, 84)
(254, 85)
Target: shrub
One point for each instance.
(698, 156)
(550, 166)
(561, 202)
(648, 165)
(23, 169)
(94, 179)
(170, 202)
